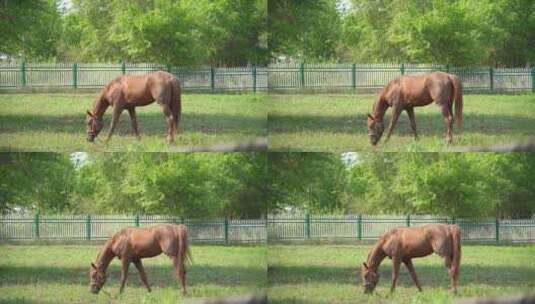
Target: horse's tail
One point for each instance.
(184, 252)
(458, 95)
(176, 102)
(456, 244)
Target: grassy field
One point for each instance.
(55, 122)
(59, 274)
(331, 274)
(338, 123)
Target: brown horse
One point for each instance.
(403, 244)
(131, 91)
(407, 92)
(130, 245)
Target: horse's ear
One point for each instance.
(93, 265)
(370, 116)
(365, 266)
(89, 113)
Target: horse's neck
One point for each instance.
(379, 108)
(105, 257)
(376, 256)
(100, 105)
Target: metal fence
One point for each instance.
(371, 227)
(276, 77)
(100, 227)
(96, 75)
(375, 76)
(274, 228)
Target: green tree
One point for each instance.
(29, 29)
(305, 30)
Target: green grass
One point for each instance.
(330, 274)
(337, 123)
(55, 122)
(59, 274)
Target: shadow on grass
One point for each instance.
(429, 275)
(149, 123)
(426, 124)
(158, 275)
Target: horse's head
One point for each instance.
(375, 129)
(370, 278)
(97, 277)
(93, 126)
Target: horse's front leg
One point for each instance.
(412, 271)
(395, 272)
(142, 274)
(125, 262)
(133, 120)
(396, 111)
(117, 110)
(410, 112)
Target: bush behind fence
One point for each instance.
(273, 228)
(277, 77)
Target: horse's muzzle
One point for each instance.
(90, 139)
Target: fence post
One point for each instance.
(75, 75)
(359, 227)
(36, 226)
(226, 231)
(23, 73)
(302, 75)
(354, 76)
(491, 74)
(123, 67)
(88, 227)
(497, 231)
(447, 68)
(307, 226)
(136, 220)
(408, 220)
(453, 220)
(168, 68)
(212, 78)
(402, 68)
(254, 78)
(533, 79)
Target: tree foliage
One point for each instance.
(459, 32)
(470, 185)
(198, 185)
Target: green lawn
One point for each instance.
(55, 122)
(331, 274)
(337, 123)
(60, 274)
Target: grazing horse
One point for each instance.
(405, 243)
(130, 245)
(131, 91)
(407, 92)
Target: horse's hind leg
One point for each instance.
(448, 120)
(452, 273)
(142, 274)
(180, 272)
(412, 271)
(170, 122)
(410, 112)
